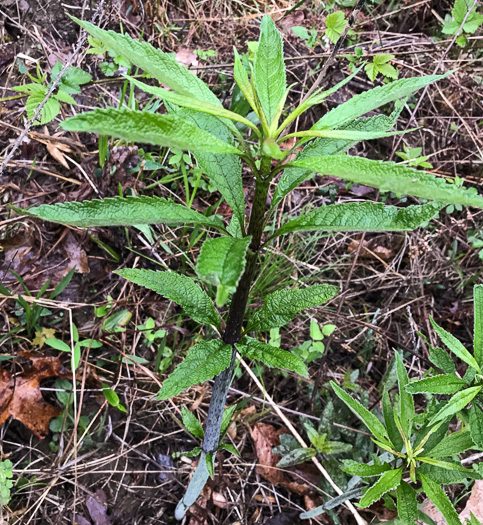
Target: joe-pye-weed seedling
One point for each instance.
(222, 142)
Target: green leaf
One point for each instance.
(346, 134)
(476, 424)
(437, 495)
(478, 328)
(221, 262)
(442, 384)
(162, 66)
(447, 477)
(243, 82)
(361, 104)
(292, 177)
(229, 448)
(388, 176)
(191, 423)
(407, 503)
(73, 78)
(335, 447)
(49, 111)
(226, 419)
(297, 456)
(269, 68)
(472, 520)
(456, 403)
(392, 430)
(58, 345)
(204, 361)
(360, 469)
(406, 403)
(151, 128)
(272, 356)
(178, 288)
(224, 171)
(280, 307)
(388, 481)
(62, 96)
(120, 211)
(361, 216)
(191, 103)
(335, 23)
(455, 346)
(452, 444)
(369, 419)
(441, 359)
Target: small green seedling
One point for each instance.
(222, 141)
(453, 22)
(335, 23)
(420, 449)
(70, 84)
(380, 64)
(6, 482)
(311, 37)
(413, 157)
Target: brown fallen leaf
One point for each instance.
(40, 337)
(57, 149)
(265, 437)
(20, 395)
(96, 505)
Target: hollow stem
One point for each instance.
(231, 336)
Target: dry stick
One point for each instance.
(360, 520)
(438, 65)
(338, 45)
(30, 123)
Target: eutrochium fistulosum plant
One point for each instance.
(222, 141)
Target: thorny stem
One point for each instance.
(231, 336)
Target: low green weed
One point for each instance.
(453, 21)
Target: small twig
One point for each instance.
(67, 64)
(335, 51)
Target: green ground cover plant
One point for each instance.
(422, 445)
(222, 141)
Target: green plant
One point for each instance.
(413, 157)
(6, 482)
(70, 84)
(464, 390)
(335, 23)
(229, 261)
(311, 38)
(380, 64)
(419, 447)
(453, 22)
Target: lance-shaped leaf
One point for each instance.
(344, 134)
(407, 503)
(269, 68)
(442, 384)
(120, 211)
(221, 262)
(437, 495)
(156, 63)
(456, 403)
(455, 346)
(191, 423)
(452, 444)
(406, 403)
(204, 361)
(151, 128)
(224, 171)
(363, 217)
(388, 176)
(476, 424)
(392, 430)
(331, 504)
(369, 419)
(193, 103)
(292, 177)
(178, 288)
(361, 469)
(478, 329)
(271, 356)
(279, 308)
(243, 82)
(388, 481)
(373, 99)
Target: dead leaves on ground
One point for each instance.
(20, 395)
